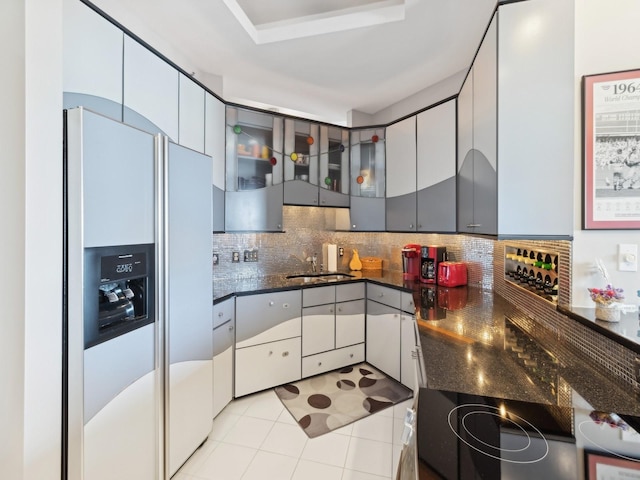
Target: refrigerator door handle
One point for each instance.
(162, 300)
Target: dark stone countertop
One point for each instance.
(626, 332)
(467, 335)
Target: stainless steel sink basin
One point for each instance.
(319, 277)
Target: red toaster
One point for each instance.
(452, 274)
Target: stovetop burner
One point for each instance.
(522, 451)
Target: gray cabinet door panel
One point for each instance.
(218, 209)
(485, 195)
(297, 192)
(465, 194)
(329, 198)
(352, 307)
(259, 210)
(401, 213)
(258, 313)
(352, 291)
(437, 207)
(318, 296)
(367, 214)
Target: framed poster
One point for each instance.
(606, 466)
(611, 147)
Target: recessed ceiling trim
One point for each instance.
(339, 20)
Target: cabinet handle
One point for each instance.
(319, 364)
(473, 225)
(340, 309)
(331, 310)
(380, 295)
(285, 354)
(323, 202)
(351, 355)
(353, 226)
(230, 328)
(315, 202)
(271, 303)
(270, 352)
(219, 314)
(411, 225)
(279, 227)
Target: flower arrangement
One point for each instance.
(606, 298)
(607, 295)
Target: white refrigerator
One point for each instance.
(138, 380)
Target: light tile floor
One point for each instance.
(255, 437)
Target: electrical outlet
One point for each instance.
(341, 251)
(216, 259)
(251, 255)
(235, 257)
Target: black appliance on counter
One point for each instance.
(119, 291)
(430, 257)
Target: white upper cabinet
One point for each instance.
(436, 168)
(151, 91)
(401, 200)
(191, 118)
(401, 157)
(92, 61)
(536, 118)
(214, 137)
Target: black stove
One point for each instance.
(496, 403)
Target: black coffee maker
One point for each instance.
(430, 257)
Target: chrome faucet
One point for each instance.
(314, 263)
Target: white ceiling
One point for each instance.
(330, 57)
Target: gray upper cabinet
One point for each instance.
(401, 201)
(92, 61)
(316, 167)
(537, 96)
(254, 171)
(477, 130)
(519, 84)
(214, 145)
(151, 91)
(367, 211)
(334, 166)
(436, 168)
(301, 157)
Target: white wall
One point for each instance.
(607, 39)
(30, 208)
(424, 98)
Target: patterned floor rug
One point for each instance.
(325, 402)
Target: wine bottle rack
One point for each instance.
(534, 270)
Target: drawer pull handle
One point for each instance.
(219, 314)
(270, 352)
(351, 355)
(285, 354)
(272, 303)
(331, 310)
(339, 309)
(319, 364)
(285, 305)
(230, 327)
(381, 295)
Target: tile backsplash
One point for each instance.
(306, 229)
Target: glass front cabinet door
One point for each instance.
(316, 164)
(254, 170)
(334, 166)
(367, 211)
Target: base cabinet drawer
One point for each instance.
(324, 362)
(267, 365)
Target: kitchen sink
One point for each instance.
(319, 277)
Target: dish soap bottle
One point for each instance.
(355, 264)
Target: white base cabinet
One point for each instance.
(391, 338)
(331, 360)
(267, 365)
